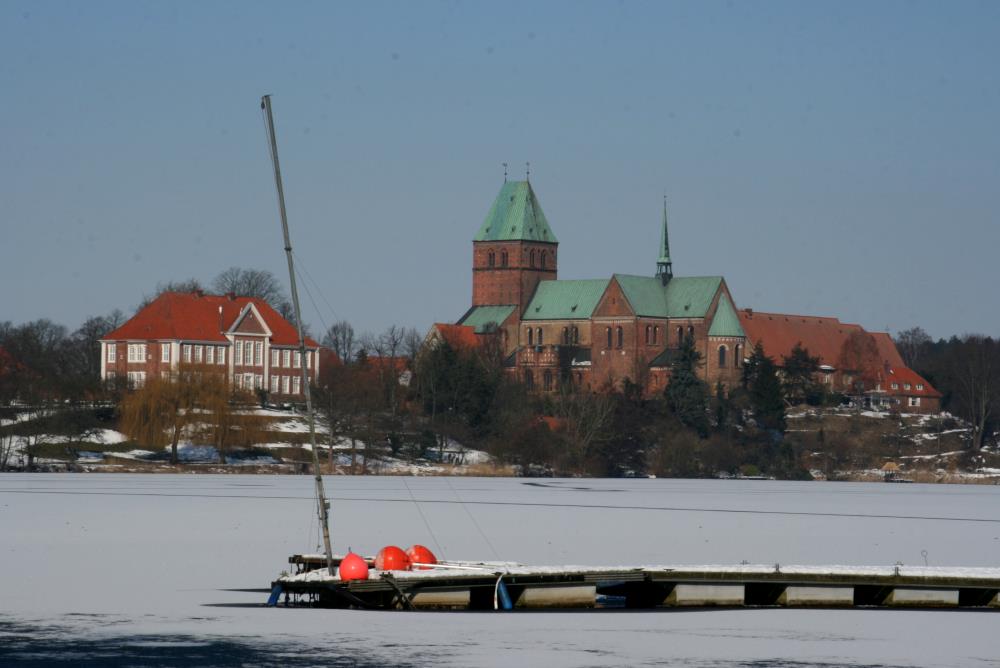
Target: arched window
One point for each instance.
(565, 336)
(530, 333)
(609, 337)
(576, 334)
(531, 260)
(680, 335)
(529, 379)
(691, 332)
(503, 258)
(737, 358)
(656, 333)
(722, 357)
(621, 337)
(540, 336)
(649, 331)
(543, 259)
(491, 259)
(547, 380)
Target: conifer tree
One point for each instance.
(799, 373)
(760, 377)
(686, 394)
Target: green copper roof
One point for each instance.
(565, 300)
(481, 317)
(516, 215)
(682, 297)
(725, 322)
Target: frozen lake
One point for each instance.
(122, 570)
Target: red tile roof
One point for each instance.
(458, 336)
(191, 316)
(779, 332)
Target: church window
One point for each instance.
(540, 336)
(531, 258)
(656, 333)
(649, 332)
(547, 380)
(530, 336)
(737, 358)
(565, 336)
(680, 335)
(529, 379)
(621, 337)
(690, 333)
(722, 357)
(503, 258)
(543, 259)
(576, 334)
(609, 337)
(491, 259)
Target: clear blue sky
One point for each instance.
(837, 158)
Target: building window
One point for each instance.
(609, 337)
(258, 353)
(531, 338)
(914, 401)
(274, 358)
(197, 354)
(274, 384)
(529, 379)
(531, 256)
(894, 386)
(259, 382)
(737, 358)
(920, 386)
(296, 385)
(136, 378)
(576, 334)
(621, 337)
(539, 342)
(490, 259)
(284, 384)
(112, 351)
(186, 353)
(286, 358)
(209, 354)
(503, 258)
(690, 333)
(565, 338)
(544, 254)
(164, 352)
(547, 380)
(238, 355)
(906, 386)
(221, 357)
(649, 333)
(248, 353)
(656, 333)
(680, 335)
(722, 357)
(298, 360)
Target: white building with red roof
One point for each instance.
(243, 336)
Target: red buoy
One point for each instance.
(353, 567)
(419, 554)
(391, 558)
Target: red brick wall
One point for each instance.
(515, 283)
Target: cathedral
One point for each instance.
(592, 333)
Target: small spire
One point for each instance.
(527, 171)
(664, 267)
(504, 171)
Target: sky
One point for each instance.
(826, 158)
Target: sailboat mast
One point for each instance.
(323, 506)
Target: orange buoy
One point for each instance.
(352, 567)
(391, 558)
(419, 554)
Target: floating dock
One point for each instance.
(465, 585)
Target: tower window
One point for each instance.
(649, 332)
(543, 259)
(530, 335)
(621, 337)
(540, 336)
(680, 335)
(609, 337)
(491, 259)
(531, 258)
(503, 258)
(576, 334)
(565, 336)
(656, 333)
(691, 332)
(722, 357)
(737, 358)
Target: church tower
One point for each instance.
(664, 267)
(513, 250)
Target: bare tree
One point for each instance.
(412, 343)
(258, 283)
(974, 367)
(189, 285)
(911, 343)
(341, 340)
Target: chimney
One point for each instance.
(198, 292)
(231, 296)
(748, 311)
(221, 328)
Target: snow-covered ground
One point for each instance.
(100, 566)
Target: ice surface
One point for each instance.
(121, 556)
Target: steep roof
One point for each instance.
(682, 297)
(896, 371)
(191, 316)
(725, 322)
(565, 300)
(779, 332)
(516, 215)
(481, 317)
(457, 336)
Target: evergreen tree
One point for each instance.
(686, 394)
(764, 388)
(799, 372)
